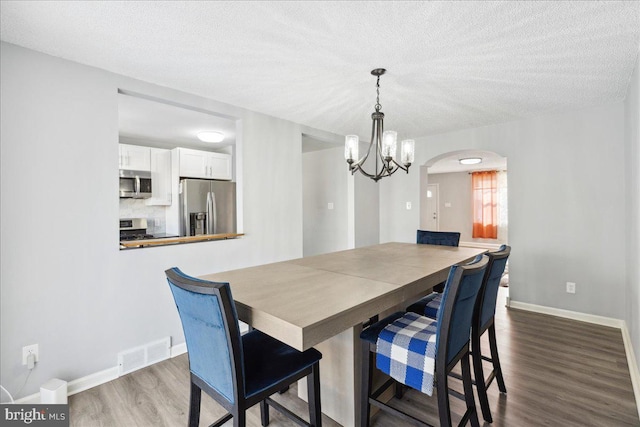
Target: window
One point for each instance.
(484, 186)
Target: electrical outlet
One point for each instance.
(330, 205)
(30, 349)
(571, 288)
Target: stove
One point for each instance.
(136, 229)
(142, 235)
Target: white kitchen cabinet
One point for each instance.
(219, 166)
(160, 177)
(135, 157)
(204, 164)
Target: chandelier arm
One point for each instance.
(378, 125)
(393, 171)
(366, 156)
(403, 167)
(387, 168)
(365, 173)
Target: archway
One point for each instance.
(451, 180)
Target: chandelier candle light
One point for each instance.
(386, 145)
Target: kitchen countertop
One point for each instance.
(129, 244)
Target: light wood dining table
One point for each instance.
(321, 301)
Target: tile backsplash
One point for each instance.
(137, 208)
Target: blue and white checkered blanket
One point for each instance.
(432, 307)
(406, 350)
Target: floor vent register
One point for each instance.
(144, 355)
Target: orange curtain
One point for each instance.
(485, 204)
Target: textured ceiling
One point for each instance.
(450, 65)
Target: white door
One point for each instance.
(432, 208)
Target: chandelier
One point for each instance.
(386, 145)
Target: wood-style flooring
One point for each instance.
(558, 372)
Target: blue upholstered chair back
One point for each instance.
(497, 264)
(458, 299)
(443, 238)
(209, 321)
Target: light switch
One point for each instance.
(447, 204)
(330, 205)
(408, 205)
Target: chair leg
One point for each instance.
(194, 406)
(313, 396)
(496, 360)
(478, 373)
(399, 390)
(468, 391)
(264, 413)
(365, 383)
(240, 419)
(284, 390)
(442, 390)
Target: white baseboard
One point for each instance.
(33, 399)
(90, 381)
(633, 366)
(95, 379)
(632, 362)
(567, 314)
(178, 349)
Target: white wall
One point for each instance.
(64, 283)
(397, 223)
(324, 181)
(566, 204)
(632, 178)
(367, 211)
(354, 221)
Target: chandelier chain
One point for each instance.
(378, 106)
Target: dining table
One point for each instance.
(322, 301)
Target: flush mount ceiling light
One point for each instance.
(386, 145)
(210, 136)
(470, 161)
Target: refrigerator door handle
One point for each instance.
(214, 216)
(209, 224)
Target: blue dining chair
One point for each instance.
(483, 321)
(442, 238)
(237, 371)
(452, 331)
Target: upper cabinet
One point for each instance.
(203, 164)
(134, 157)
(160, 177)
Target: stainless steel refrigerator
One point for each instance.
(207, 207)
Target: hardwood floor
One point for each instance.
(558, 372)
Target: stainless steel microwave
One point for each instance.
(135, 184)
